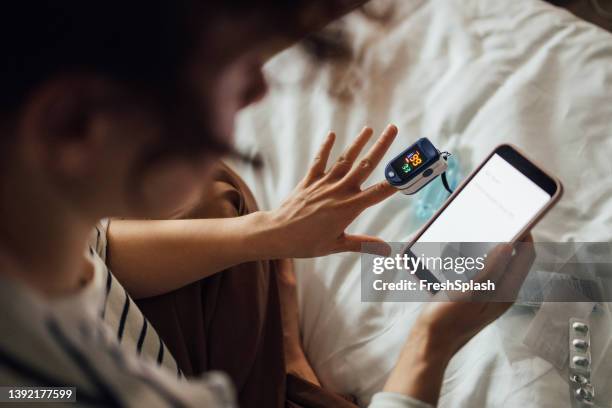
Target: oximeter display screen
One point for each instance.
(409, 162)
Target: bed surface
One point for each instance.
(469, 75)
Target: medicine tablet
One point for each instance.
(580, 344)
(578, 379)
(580, 327)
(581, 361)
(584, 394)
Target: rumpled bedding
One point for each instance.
(469, 75)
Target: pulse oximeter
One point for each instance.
(416, 166)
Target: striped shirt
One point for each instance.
(66, 343)
(121, 314)
(98, 341)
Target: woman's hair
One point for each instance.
(133, 42)
(143, 45)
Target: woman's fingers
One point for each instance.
(355, 243)
(362, 171)
(507, 271)
(495, 267)
(374, 195)
(348, 157)
(496, 263)
(317, 170)
(344, 165)
(517, 270)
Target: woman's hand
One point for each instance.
(443, 327)
(455, 323)
(312, 221)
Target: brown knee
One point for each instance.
(225, 197)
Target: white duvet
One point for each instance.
(468, 74)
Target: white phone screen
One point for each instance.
(495, 205)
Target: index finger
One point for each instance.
(361, 172)
(507, 271)
(517, 270)
(497, 262)
(317, 169)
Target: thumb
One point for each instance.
(364, 243)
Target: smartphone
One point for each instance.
(500, 201)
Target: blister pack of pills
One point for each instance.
(581, 389)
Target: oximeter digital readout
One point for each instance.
(416, 166)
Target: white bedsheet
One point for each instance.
(468, 74)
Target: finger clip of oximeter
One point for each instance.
(416, 167)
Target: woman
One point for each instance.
(122, 109)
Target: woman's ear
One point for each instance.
(63, 124)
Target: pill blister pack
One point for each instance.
(581, 389)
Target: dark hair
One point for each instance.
(132, 41)
(141, 44)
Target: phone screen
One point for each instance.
(495, 205)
